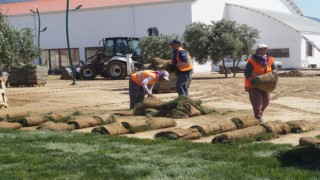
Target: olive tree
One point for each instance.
(16, 46)
(156, 46)
(219, 41)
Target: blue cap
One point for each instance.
(175, 42)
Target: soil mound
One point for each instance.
(182, 107)
(292, 73)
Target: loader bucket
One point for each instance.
(66, 73)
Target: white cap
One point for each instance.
(164, 74)
(262, 46)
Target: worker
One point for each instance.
(259, 63)
(181, 63)
(142, 82)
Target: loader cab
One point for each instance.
(120, 46)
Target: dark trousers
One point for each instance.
(183, 77)
(136, 93)
(259, 100)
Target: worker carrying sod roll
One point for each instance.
(260, 79)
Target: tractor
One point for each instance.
(118, 58)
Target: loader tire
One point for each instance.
(103, 72)
(88, 73)
(116, 70)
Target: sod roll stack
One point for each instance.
(246, 121)
(300, 126)
(277, 127)
(115, 128)
(9, 125)
(28, 75)
(80, 122)
(310, 141)
(179, 133)
(57, 127)
(238, 134)
(31, 121)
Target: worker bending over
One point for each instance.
(142, 82)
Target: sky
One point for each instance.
(309, 7)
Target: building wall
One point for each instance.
(214, 10)
(310, 60)
(88, 27)
(273, 33)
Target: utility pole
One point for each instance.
(68, 43)
(39, 30)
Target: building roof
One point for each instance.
(313, 18)
(296, 22)
(19, 8)
(295, 7)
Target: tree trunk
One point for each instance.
(225, 70)
(235, 68)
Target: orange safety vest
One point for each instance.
(183, 66)
(258, 70)
(138, 77)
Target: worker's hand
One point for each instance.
(172, 67)
(254, 81)
(275, 72)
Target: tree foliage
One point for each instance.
(219, 40)
(156, 46)
(16, 46)
(198, 41)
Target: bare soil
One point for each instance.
(295, 98)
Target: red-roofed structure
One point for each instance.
(19, 8)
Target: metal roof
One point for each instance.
(296, 22)
(19, 8)
(295, 7)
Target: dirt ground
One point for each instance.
(294, 99)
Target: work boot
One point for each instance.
(260, 119)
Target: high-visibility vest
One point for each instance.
(138, 77)
(183, 66)
(258, 69)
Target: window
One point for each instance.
(91, 51)
(55, 58)
(121, 47)
(109, 48)
(309, 49)
(45, 58)
(279, 53)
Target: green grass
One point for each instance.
(39, 155)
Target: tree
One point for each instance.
(198, 41)
(248, 37)
(156, 46)
(219, 41)
(16, 46)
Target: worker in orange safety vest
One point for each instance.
(181, 63)
(259, 63)
(142, 82)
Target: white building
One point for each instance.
(293, 39)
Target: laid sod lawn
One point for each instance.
(48, 155)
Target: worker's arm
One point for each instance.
(247, 70)
(145, 85)
(174, 58)
(274, 68)
(183, 56)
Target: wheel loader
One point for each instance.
(118, 59)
